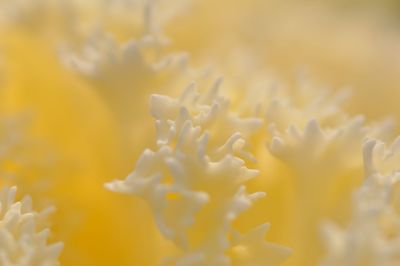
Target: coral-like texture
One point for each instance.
(319, 145)
(195, 181)
(372, 237)
(23, 234)
(120, 73)
(84, 72)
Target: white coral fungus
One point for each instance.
(195, 181)
(373, 235)
(23, 236)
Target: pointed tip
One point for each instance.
(277, 145)
(313, 128)
(368, 150)
(109, 186)
(188, 91)
(395, 147)
(159, 105)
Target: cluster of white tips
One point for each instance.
(23, 234)
(373, 235)
(195, 181)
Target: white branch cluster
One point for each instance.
(373, 234)
(23, 234)
(195, 181)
